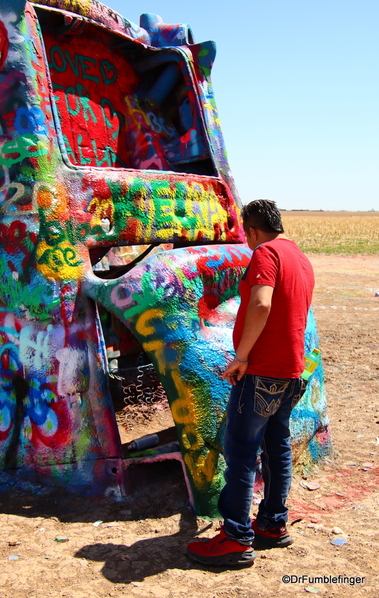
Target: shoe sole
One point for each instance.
(263, 542)
(233, 558)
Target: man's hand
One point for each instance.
(234, 372)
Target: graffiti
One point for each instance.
(4, 44)
(88, 91)
(110, 138)
(43, 381)
(25, 146)
(73, 371)
(92, 9)
(18, 194)
(188, 338)
(80, 65)
(129, 133)
(160, 209)
(35, 348)
(29, 120)
(35, 302)
(60, 262)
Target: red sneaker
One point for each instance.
(221, 551)
(276, 537)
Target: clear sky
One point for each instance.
(297, 88)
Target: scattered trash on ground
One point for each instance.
(297, 521)
(339, 542)
(310, 485)
(365, 466)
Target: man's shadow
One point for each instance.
(159, 490)
(156, 491)
(145, 558)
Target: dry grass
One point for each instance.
(333, 232)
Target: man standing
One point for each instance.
(276, 292)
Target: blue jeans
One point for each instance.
(258, 417)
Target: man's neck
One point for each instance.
(266, 237)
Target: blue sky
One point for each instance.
(297, 88)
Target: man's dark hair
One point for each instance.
(263, 215)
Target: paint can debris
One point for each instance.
(145, 442)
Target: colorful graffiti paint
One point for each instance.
(109, 138)
(181, 306)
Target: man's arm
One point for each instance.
(257, 313)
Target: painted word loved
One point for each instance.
(84, 66)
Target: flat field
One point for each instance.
(344, 233)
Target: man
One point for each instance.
(276, 292)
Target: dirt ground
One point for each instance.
(138, 549)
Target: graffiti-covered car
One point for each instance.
(110, 139)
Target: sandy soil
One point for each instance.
(139, 548)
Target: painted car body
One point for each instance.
(110, 137)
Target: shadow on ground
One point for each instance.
(155, 490)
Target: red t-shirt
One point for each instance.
(279, 349)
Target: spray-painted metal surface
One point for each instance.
(110, 137)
